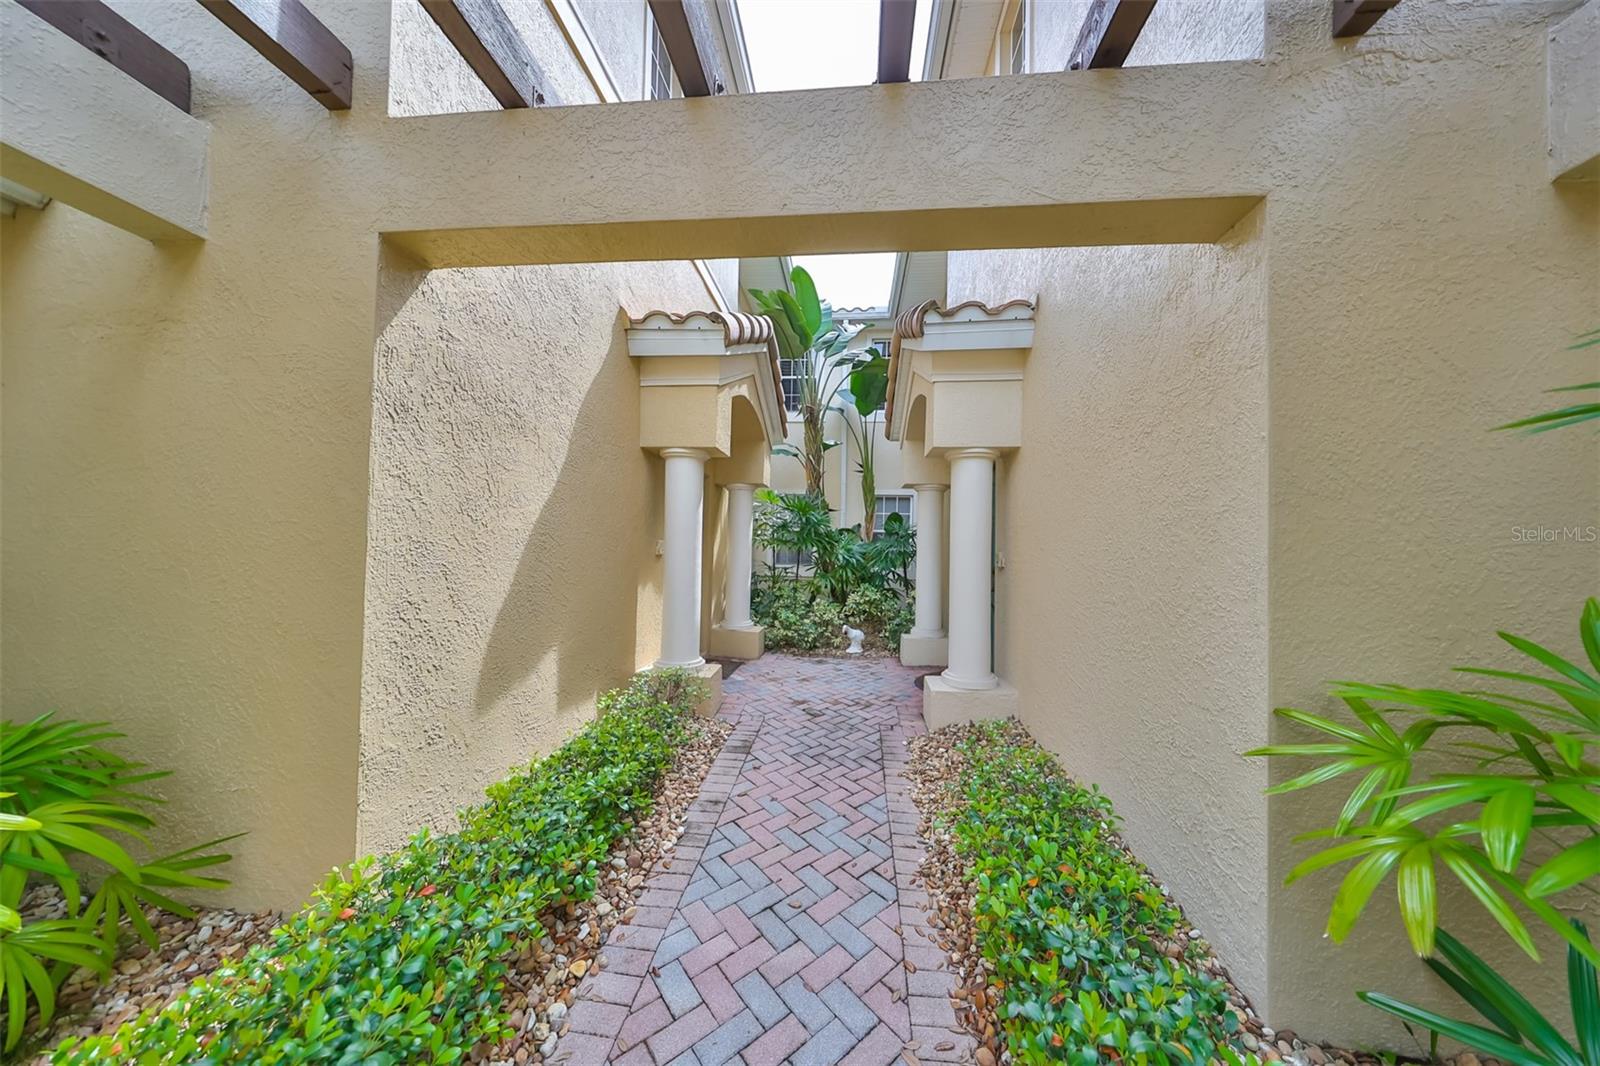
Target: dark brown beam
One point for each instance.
(492, 47)
(294, 41)
(1109, 31)
(687, 30)
(1352, 18)
(897, 24)
(120, 43)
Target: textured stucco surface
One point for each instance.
(1191, 31)
(1575, 95)
(1385, 519)
(100, 141)
(187, 430)
(1131, 610)
(505, 453)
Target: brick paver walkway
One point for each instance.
(781, 927)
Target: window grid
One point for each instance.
(1019, 39)
(660, 64)
(789, 373)
(886, 505)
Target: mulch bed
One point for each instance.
(935, 770)
(540, 987)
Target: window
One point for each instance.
(888, 505)
(882, 345)
(790, 372)
(660, 72)
(784, 558)
(1018, 57)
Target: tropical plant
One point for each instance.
(857, 403)
(404, 958)
(797, 615)
(1536, 785)
(894, 550)
(808, 336)
(63, 798)
(1565, 416)
(793, 522)
(1520, 1034)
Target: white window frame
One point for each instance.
(1019, 31)
(787, 371)
(910, 512)
(653, 39)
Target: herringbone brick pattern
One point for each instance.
(781, 928)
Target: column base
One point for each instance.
(710, 674)
(918, 650)
(943, 704)
(737, 642)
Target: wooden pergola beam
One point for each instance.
(296, 42)
(688, 30)
(1352, 18)
(492, 47)
(1109, 31)
(120, 43)
(897, 24)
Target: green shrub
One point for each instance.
(797, 615)
(1073, 925)
(403, 958)
(879, 612)
(65, 798)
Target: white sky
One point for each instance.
(851, 280)
(809, 44)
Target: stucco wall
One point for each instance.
(1131, 611)
(1401, 328)
(1354, 465)
(187, 433)
(504, 452)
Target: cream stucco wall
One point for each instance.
(187, 437)
(1252, 467)
(187, 428)
(1131, 610)
(505, 441)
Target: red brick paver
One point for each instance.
(779, 926)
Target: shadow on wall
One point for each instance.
(587, 624)
(511, 527)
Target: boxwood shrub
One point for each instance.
(402, 958)
(1074, 926)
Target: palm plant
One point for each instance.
(808, 336)
(868, 385)
(1565, 416)
(63, 797)
(792, 522)
(1518, 1033)
(1535, 780)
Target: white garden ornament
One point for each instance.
(856, 637)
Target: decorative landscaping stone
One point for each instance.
(141, 978)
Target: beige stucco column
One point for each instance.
(741, 512)
(971, 573)
(680, 606)
(926, 644)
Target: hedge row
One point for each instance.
(402, 958)
(1074, 926)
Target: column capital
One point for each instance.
(685, 453)
(751, 485)
(931, 487)
(972, 453)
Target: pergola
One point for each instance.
(72, 153)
